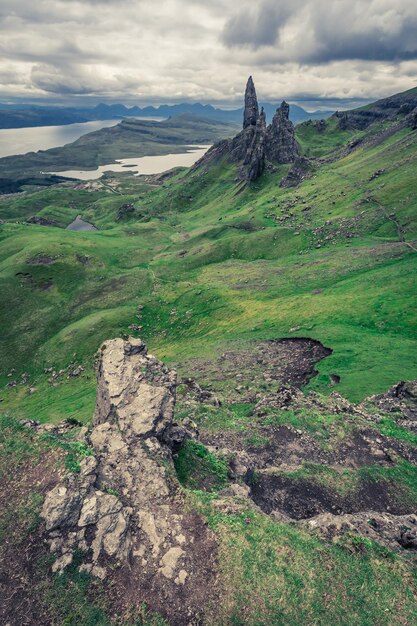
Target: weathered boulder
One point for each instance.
(124, 507)
(61, 507)
(135, 391)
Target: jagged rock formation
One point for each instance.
(257, 144)
(251, 112)
(280, 146)
(124, 507)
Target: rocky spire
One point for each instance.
(258, 146)
(251, 112)
(281, 146)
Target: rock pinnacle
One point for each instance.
(251, 112)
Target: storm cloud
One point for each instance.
(175, 50)
(318, 31)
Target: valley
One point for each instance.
(129, 138)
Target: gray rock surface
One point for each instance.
(124, 505)
(256, 143)
(280, 145)
(251, 111)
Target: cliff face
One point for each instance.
(257, 143)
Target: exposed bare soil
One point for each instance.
(239, 374)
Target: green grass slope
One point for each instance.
(202, 266)
(214, 265)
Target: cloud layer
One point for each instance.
(176, 50)
(318, 31)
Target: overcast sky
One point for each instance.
(203, 50)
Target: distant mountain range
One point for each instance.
(22, 116)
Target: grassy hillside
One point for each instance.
(204, 266)
(332, 260)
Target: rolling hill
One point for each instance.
(251, 290)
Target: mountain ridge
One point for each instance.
(37, 115)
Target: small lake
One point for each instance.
(80, 224)
(23, 140)
(142, 165)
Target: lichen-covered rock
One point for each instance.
(61, 507)
(135, 390)
(125, 505)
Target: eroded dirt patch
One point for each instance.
(41, 259)
(239, 375)
(22, 544)
(179, 604)
(301, 498)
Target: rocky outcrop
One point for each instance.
(280, 145)
(41, 221)
(413, 119)
(251, 110)
(400, 399)
(124, 506)
(392, 108)
(256, 144)
(392, 531)
(124, 211)
(300, 170)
